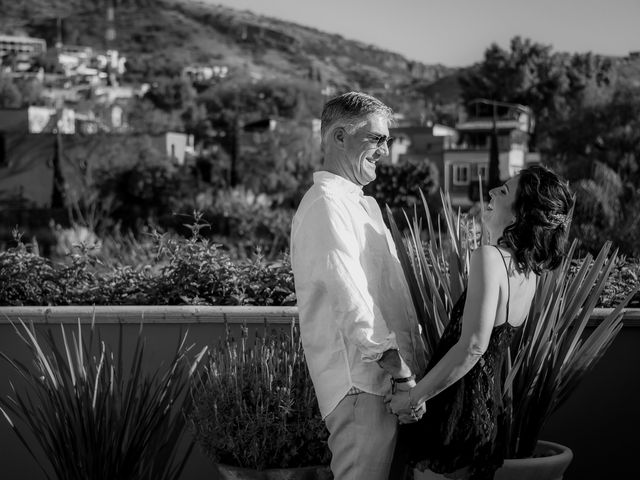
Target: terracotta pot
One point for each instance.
(551, 466)
(228, 472)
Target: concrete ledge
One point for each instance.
(188, 314)
(182, 314)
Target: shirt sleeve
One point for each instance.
(330, 251)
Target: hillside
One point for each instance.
(160, 37)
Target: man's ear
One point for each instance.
(339, 136)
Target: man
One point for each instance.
(355, 309)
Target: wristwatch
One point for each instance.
(395, 381)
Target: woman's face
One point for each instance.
(499, 213)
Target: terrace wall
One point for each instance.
(598, 422)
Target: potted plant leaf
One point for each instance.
(86, 413)
(554, 350)
(254, 411)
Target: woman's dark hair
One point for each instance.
(543, 207)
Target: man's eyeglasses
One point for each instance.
(381, 139)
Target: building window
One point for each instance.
(461, 174)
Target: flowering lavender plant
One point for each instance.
(254, 405)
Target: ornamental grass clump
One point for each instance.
(254, 405)
(554, 351)
(85, 413)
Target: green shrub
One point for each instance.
(26, 278)
(190, 271)
(165, 269)
(624, 276)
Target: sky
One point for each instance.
(457, 32)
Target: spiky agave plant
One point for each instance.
(94, 416)
(554, 350)
(435, 264)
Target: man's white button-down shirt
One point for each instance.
(353, 300)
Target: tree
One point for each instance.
(30, 90)
(281, 162)
(528, 74)
(553, 85)
(171, 94)
(599, 151)
(608, 133)
(10, 96)
(143, 117)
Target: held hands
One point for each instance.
(403, 381)
(400, 403)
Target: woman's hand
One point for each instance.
(400, 404)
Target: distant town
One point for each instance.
(87, 97)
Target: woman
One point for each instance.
(461, 434)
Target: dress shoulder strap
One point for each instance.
(508, 283)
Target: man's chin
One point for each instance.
(368, 180)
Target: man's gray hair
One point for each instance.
(350, 111)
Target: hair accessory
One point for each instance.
(558, 219)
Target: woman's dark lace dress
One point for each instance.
(463, 425)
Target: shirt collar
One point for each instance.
(336, 183)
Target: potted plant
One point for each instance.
(550, 356)
(254, 411)
(86, 413)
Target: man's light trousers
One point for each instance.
(362, 438)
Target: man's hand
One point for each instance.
(399, 403)
(392, 362)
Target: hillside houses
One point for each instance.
(461, 154)
(47, 143)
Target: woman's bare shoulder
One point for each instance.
(488, 259)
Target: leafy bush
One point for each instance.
(242, 220)
(27, 277)
(164, 269)
(607, 208)
(254, 406)
(190, 271)
(624, 276)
